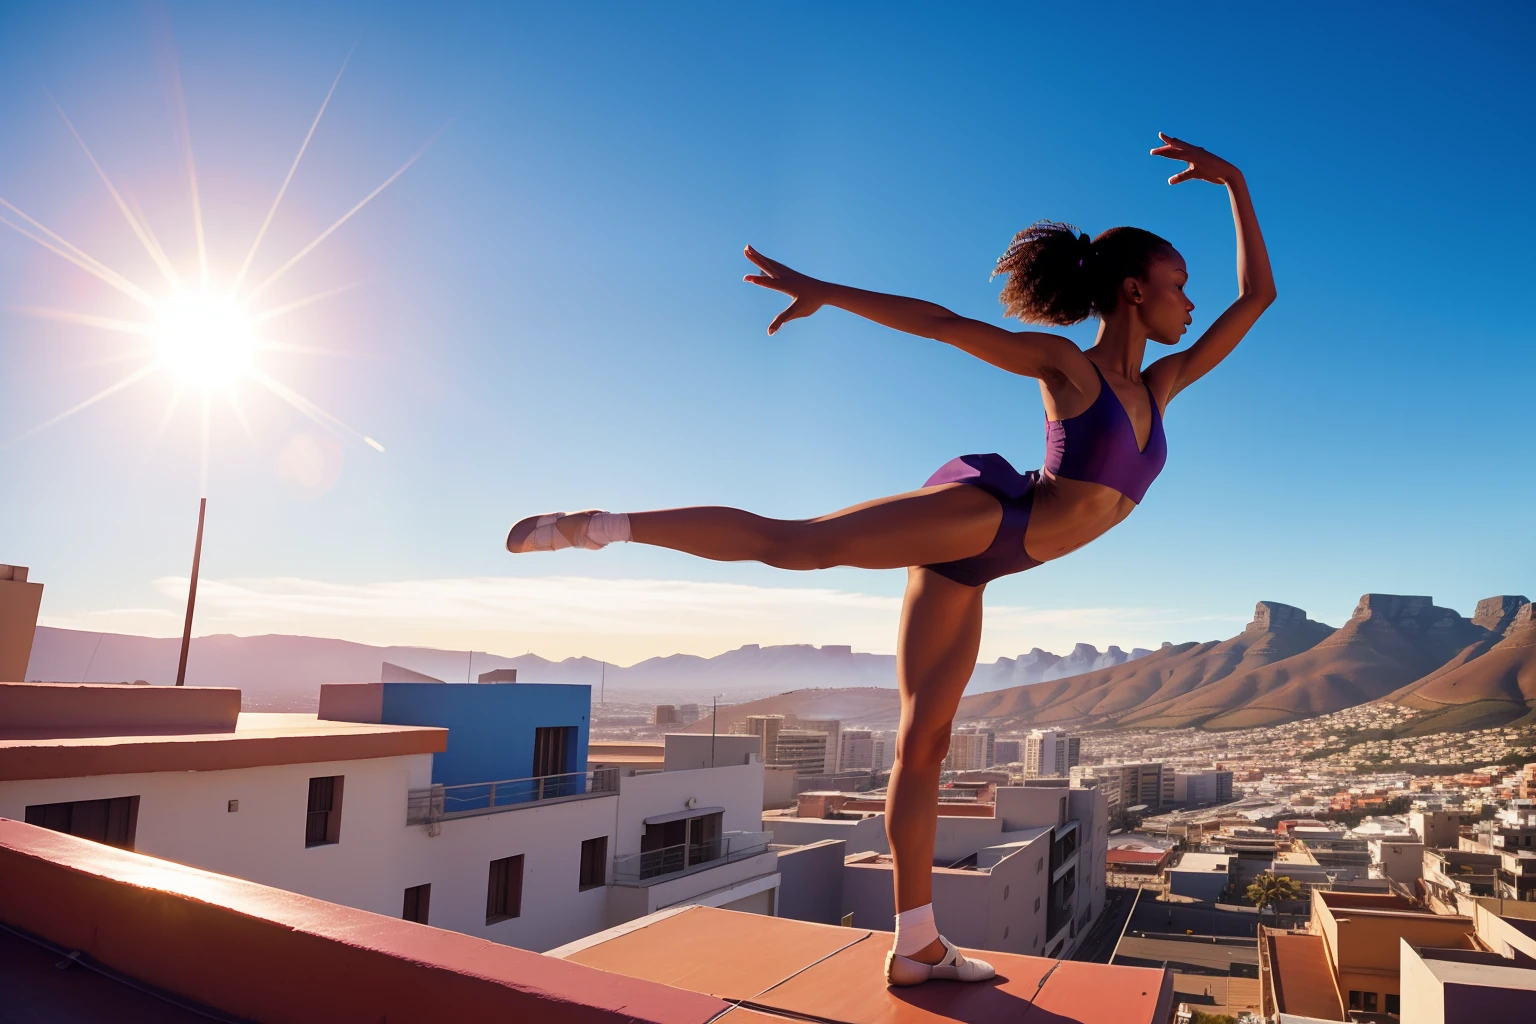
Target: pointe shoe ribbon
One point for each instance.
(539, 533)
(902, 970)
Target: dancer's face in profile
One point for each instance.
(1164, 309)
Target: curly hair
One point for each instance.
(1058, 276)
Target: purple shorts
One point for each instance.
(1015, 491)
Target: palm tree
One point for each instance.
(1269, 889)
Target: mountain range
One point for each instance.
(291, 668)
(1284, 666)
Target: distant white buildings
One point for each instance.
(1050, 754)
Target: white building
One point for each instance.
(1050, 754)
(806, 749)
(348, 811)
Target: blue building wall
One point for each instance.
(490, 725)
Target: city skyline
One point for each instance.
(567, 254)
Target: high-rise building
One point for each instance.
(1050, 754)
(666, 714)
(1140, 784)
(687, 714)
(1196, 789)
(766, 726)
(831, 726)
(857, 751)
(1009, 751)
(807, 750)
(970, 750)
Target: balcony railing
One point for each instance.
(439, 803)
(686, 858)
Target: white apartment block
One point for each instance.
(1050, 754)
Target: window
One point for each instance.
(417, 898)
(1354, 999)
(594, 863)
(1392, 1003)
(1370, 1002)
(323, 825)
(1037, 904)
(111, 821)
(669, 846)
(551, 749)
(504, 891)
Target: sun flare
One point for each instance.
(207, 341)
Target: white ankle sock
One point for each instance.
(607, 528)
(915, 929)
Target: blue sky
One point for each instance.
(546, 312)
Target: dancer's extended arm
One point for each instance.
(1255, 283)
(1030, 353)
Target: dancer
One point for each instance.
(978, 518)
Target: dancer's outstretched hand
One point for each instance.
(806, 291)
(1202, 165)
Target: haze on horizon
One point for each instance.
(546, 311)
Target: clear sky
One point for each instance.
(545, 312)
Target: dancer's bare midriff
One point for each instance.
(1067, 514)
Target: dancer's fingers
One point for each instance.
(794, 311)
(1184, 175)
(762, 261)
(767, 282)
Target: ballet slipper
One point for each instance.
(539, 533)
(903, 970)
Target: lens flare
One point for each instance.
(206, 340)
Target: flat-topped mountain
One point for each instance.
(1491, 682)
(1148, 687)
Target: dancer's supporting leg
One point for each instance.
(935, 656)
(935, 524)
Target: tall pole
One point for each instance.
(714, 718)
(197, 556)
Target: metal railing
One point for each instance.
(637, 868)
(439, 803)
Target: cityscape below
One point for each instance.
(1347, 865)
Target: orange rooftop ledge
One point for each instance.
(263, 954)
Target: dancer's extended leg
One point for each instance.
(935, 524)
(935, 656)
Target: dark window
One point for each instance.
(324, 822)
(594, 862)
(1370, 1002)
(1354, 999)
(674, 845)
(111, 821)
(551, 748)
(504, 890)
(1393, 1005)
(417, 899)
(1037, 904)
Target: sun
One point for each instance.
(207, 341)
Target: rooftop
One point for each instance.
(68, 730)
(825, 973)
(144, 930)
(1308, 989)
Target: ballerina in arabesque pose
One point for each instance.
(978, 518)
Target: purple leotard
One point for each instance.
(1097, 446)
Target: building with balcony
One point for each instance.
(970, 750)
(1143, 784)
(464, 806)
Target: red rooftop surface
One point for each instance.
(263, 954)
(1309, 990)
(824, 973)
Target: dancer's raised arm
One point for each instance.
(1029, 353)
(1255, 284)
